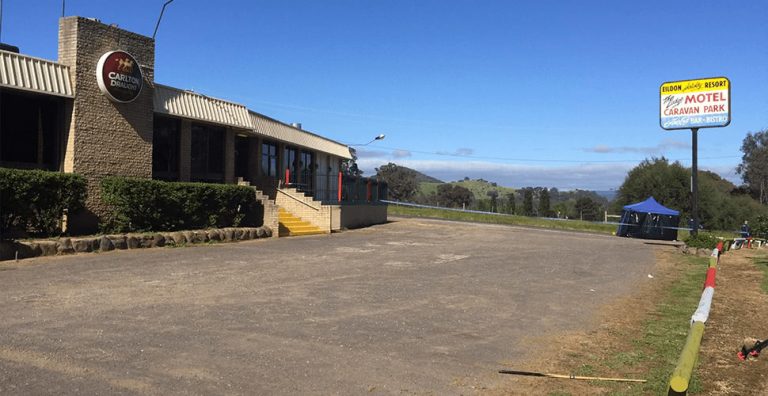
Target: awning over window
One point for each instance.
(186, 104)
(36, 75)
(266, 126)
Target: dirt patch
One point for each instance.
(595, 352)
(739, 310)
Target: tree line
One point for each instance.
(722, 205)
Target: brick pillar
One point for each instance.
(185, 151)
(104, 137)
(229, 156)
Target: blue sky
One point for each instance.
(544, 93)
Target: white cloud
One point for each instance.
(400, 154)
(661, 148)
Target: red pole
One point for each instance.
(287, 176)
(339, 186)
(720, 246)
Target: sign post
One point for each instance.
(694, 104)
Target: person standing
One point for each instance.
(745, 231)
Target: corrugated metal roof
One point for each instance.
(34, 74)
(186, 104)
(266, 126)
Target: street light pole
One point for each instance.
(379, 137)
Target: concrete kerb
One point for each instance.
(10, 250)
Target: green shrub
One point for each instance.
(33, 201)
(140, 205)
(702, 240)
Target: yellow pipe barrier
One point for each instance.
(682, 374)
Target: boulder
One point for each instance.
(82, 245)
(229, 235)
(158, 240)
(189, 236)
(178, 238)
(146, 241)
(133, 242)
(64, 246)
(105, 244)
(253, 233)
(119, 241)
(48, 248)
(214, 235)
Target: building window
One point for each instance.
(307, 167)
(269, 159)
(166, 141)
(241, 156)
(29, 131)
(207, 153)
(289, 162)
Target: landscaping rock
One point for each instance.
(240, 234)
(178, 238)
(146, 241)
(105, 244)
(229, 235)
(64, 246)
(214, 235)
(119, 241)
(189, 236)
(261, 233)
(158, 240)
(47, 248)
(253, 233)
(82, 245)
(133, 242)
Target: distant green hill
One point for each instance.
(422, 178)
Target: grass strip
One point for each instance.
(655, 349)
(573, 225)
(761, 261)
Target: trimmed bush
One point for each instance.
(141, 205)
(702, 240)
(32, 202)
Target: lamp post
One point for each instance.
(379, 137)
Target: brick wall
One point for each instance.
(104, 137)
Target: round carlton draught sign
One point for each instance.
(119, 76)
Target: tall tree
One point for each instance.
(754, 164)
(544, 202)
(527, 201)
(453, 196)
(510, 203)
(669, 183)
(401, 182)
(587, 209)
(493, 194)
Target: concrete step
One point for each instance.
(291, 225)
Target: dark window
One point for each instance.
(241, 156)
(289, 162)
(269, 159)
(29, 131)
(165, 148)
(207, 153)
(307, 167)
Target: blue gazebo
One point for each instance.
(649, 220)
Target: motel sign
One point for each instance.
(703, 103)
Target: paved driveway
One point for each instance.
(413, 306)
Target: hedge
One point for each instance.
(702, 240)
(32, 202)
(140, 205)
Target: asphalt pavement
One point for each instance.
(409, 307)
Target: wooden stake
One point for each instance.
(575, 377)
